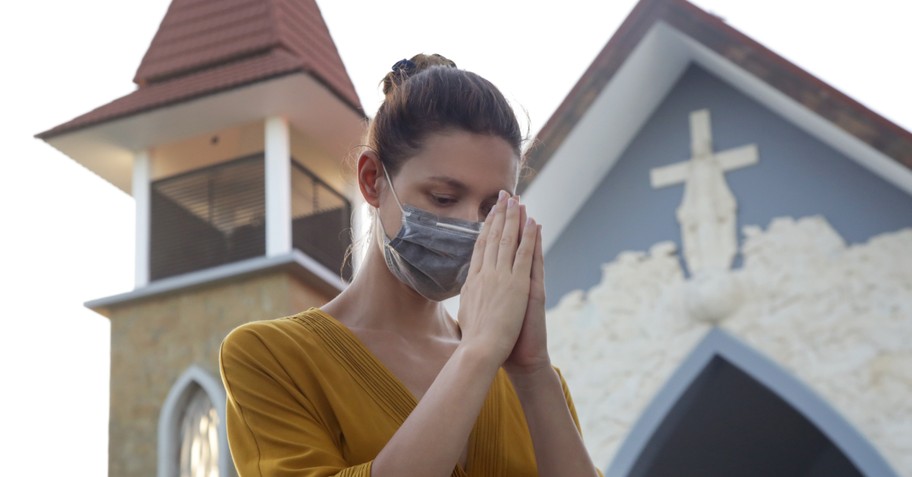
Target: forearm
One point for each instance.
(559, 449)
(431, 440)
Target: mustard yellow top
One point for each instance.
(306, 398)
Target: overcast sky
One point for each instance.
(68, 235)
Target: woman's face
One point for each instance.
(456, 174)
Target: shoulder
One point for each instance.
(275, 337)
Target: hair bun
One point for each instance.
(405, 69)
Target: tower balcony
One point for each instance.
(216, 215)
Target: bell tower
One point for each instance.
(231, 146)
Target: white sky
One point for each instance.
(68, 235)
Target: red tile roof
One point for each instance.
(711, 31)
(208, 46)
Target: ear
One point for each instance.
(370, 176)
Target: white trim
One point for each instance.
(311, 109)
(278, 186)
(594, 145)
(803, 118)
(142, 173)
(719, 343)
(169, 420)
(296, 262)
(589, 152)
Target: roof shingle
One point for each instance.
(207, 46)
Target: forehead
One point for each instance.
(482, 162)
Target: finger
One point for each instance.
(497, 224)
(538, 258)
(510, 237)
(526, 249)
(479, 250)
(522, 218)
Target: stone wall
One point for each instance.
(154, 340)
(837, 318)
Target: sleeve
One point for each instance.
(572, 408)
(273, 429)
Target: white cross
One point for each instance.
(707, 212)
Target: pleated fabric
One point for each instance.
(306, 398)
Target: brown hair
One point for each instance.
(429, 94)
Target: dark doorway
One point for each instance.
(728, 424)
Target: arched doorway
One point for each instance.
(730, 411)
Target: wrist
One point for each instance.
(484, 359)
(529, 378)
(528, 367)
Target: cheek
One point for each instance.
(390, 217)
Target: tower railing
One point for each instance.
(217, 214)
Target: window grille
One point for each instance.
(208, 217)
(321, 220)
(217, 215)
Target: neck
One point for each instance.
(377, 300)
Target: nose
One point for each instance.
(470, 212)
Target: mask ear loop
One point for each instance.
(404, 213)
(392, 189)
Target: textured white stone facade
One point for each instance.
(837, 318)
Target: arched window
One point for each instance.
(192, 440)
(199, 449)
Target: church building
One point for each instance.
(728, 241)
(728, 260)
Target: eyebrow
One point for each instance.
(456, 184)
(450, 182)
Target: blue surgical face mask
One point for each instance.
(430, 254)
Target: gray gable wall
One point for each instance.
(797, 176)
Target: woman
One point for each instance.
(381, 381)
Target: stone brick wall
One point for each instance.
(154, 340)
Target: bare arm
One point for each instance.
(559, 449)
(431, 440)
(493, 303)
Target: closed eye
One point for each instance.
(442, 200)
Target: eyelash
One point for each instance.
(445, 201)
(442, 201)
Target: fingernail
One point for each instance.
(501, 195)
(511, 202)
(529, 221)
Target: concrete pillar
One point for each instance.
(278, 186)
(142, 177)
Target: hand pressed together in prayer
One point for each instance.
(502, 304)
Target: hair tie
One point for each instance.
(406, 67)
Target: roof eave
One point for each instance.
(107, 148)
(831, 104)
(79, 123)
(602, 120)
